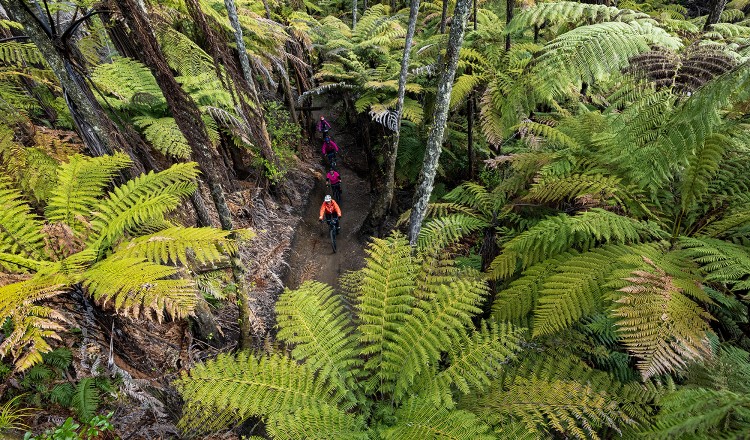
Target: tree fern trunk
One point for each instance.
(86, 111)
(385, 198)
(717, 7)
(189, 121)
(435, 138)
(234, 19)
(254, 118)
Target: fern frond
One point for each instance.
(702, 165)
(420, 419)
(164, 135)
(236, 387)
(20, 231)
(462, 88)
(720, 261)
(576, 289)
(434, 325)
(180, 245)
(136, 286)
(315, 321)
(572, 187)
(659, 324)
(472, 362)
(85, 400)
(515, 303)
(701, 413)
(316, 424)
(443, 231)
(81, 182)
(556, 235)
(141, 200)
(570, 13)
(385, 300)
(570, 408)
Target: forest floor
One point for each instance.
(312, 257)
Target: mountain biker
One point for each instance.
(329, 148)
(331, 210)
(323, 125)
(334, 179)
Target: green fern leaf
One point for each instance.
(235, 387)
(314, 320)
(164, 135)
(142, 200)
(419, 419)
(179, 245)
(85, 400)
(81, 182)
(136, 286)
(384, 302)
(20, 231)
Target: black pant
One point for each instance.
(333, 216)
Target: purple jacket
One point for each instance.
(329, 147)
(323, 124)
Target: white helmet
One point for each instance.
(328, 198)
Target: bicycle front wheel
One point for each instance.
(333, 238)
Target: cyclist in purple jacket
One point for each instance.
(323, 126)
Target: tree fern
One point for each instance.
(384, 303)
(179, 245)
(81, 184)
(659, 324)
(314, 422)
(423, 420)
(135, 286)
(315, 321)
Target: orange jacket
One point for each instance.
(329, 208)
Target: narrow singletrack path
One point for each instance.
(312, 257)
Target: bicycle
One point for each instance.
(331, 159)
(336, 192)
(333, 230)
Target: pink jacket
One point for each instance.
(329, 147)
(334, 177)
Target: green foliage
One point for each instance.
(79, 244)
(71, 430)
(391, 374)
(12, 417)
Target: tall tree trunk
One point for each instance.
(188, 119)
(471, 107)
(354, 14)
(385, 198)
(508, 18)
(87, 114)
(435, 137)
(443, 16)
(717, 7)
(267, 8)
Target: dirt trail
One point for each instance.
(311, 256)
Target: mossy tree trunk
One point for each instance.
(189, 120)
(435, 137)
(385, 197)
(714, 14)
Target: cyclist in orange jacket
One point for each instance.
(330, 209)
